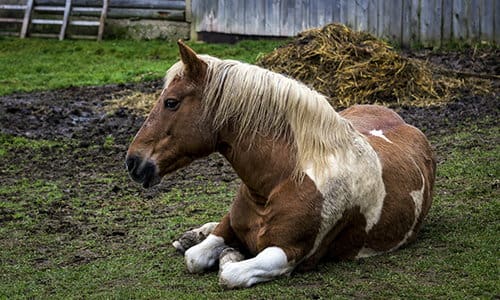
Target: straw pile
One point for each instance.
(141, 102)
(355, 67)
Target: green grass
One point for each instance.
(11, 143)
(41, 64)
(58, 247)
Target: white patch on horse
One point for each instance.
(320, 181)
(380, 134)
(418, 199)
(204, 255)
(354, 178)
(267, 265)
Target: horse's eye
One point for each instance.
(171, 104)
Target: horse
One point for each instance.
(317, 185)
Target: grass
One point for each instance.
(88, 246)
(59, 239)
(41, 64)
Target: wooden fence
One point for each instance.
(408, 22)
(173, 10)
(138, 19)
(150, 9)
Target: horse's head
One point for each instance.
(174, 134)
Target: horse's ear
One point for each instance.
(194, 67)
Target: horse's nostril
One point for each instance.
(131, 163)
(142, 171)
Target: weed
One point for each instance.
(109, 141)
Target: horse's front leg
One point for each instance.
(281, 234)
(205, 255)
(235, 272)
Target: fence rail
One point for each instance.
(157, 4)
(428, 22)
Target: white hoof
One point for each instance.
(229, 255)
(204, 255)
(194, 237)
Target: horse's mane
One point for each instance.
(270, 104)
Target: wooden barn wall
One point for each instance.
(408, 22)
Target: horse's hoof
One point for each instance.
(229, 255)
(178, 247)
(193, 237)
(188, 240)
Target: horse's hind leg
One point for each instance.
(193, 237)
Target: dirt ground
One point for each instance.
(99, 139)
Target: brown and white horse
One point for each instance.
(316, 184)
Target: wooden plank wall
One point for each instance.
(157, 4)
(407, 22)
(174, 10)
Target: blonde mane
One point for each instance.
(270, 104)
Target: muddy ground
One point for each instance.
(95, 141)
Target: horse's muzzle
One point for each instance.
(142, 171)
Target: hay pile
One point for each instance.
(141, 102)
(355, 67)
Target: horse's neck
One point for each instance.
(262, 164)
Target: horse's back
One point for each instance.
(408, 171)
(366, 118)
(386, 130)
